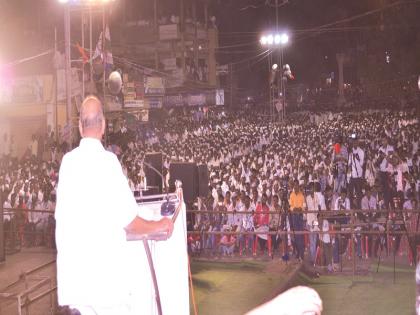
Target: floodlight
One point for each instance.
(263, 40)
(284, 38)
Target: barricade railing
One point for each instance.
(393, 229)
(21, 231)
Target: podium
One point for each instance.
(169, 259)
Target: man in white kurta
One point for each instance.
(94, 208)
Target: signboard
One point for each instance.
(174, 100)
(197, 100)
(169, 64)
(142, 115)
(154, 102)
(154, 86)
(220, 97)
(168, 32)
(134, 103)
(222, 70)
(22, 90)
(175, 79)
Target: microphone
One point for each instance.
(167, 208)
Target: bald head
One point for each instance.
(92, 120)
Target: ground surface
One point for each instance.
(236, 287)
(374, 293)
(233, 286)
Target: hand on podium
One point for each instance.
(167, 226)
(140, 229)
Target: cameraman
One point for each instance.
(355, 165)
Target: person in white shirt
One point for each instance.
(355, 165)
(341, 203)
(383, 161)
(315, 202)
(247, 225)
(95, 209)
(326, 244)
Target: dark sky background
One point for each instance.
(310, 53)
(27, 27)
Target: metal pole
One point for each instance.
(83, 47)
(103, 53)
(271, 91)
(68, 71)
(56, 89)
(231, 85)
(90, 46)
(104, 74)
(156, 31)
(352, 241)
(283, 85)
(182, 26)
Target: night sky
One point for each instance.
(28, 26)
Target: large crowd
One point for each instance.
(326, 161)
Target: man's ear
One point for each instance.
(80, 129)
(103, 127)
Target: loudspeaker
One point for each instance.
(203, 180)
(153, 178)
(187, 173)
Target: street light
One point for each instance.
(276, 40)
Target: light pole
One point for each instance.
(276, 40)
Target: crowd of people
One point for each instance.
(366, 160)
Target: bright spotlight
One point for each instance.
(284, 39)
(275, 66)
(63, 1)
(263, 40)
(277, 39)
(270, 39)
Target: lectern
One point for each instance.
(164, 290)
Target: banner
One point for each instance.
(174, 100)
(220, 97)
(154, 86)
(169, 64)
(154, 102)
(168, 32)
(222, 70)
(23, 90)
(197, 100)
(76, 85)
(134, 104)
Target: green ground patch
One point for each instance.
(372, 294)
(229, 288)
(233, 288)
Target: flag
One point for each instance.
(82, 52)
(107, 56)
